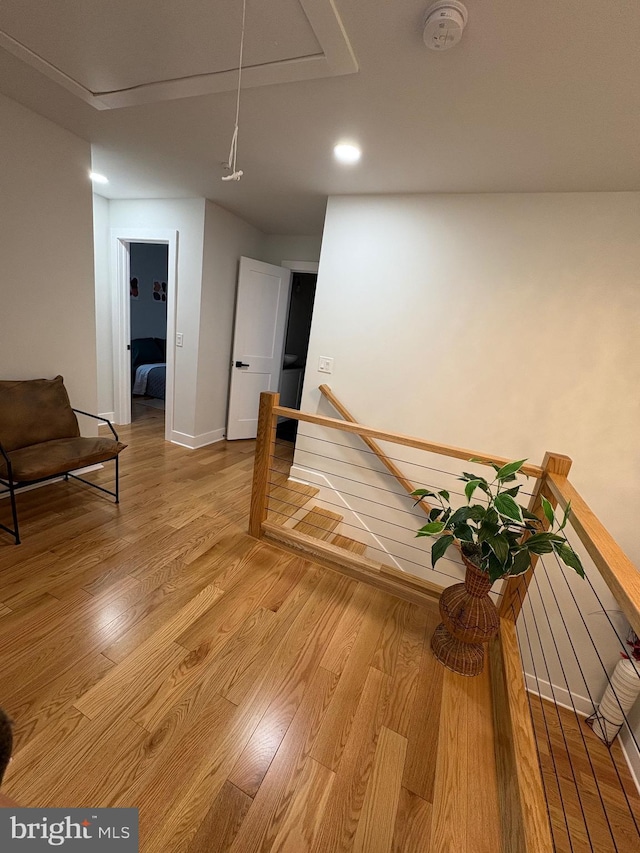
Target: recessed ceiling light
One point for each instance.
(98, 178)
(347, 153)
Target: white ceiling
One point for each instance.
(538, 97)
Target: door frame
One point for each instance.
(120, 240)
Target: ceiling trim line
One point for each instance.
(337, 58)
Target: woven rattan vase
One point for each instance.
(469, 620)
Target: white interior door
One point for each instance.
(258, 342)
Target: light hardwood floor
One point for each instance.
(593, 801)
(154, 655)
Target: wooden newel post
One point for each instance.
(516, 588)
(265, 450)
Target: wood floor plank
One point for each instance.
(450, 820)
(336, 726)
(266, 816)
(377, 821)
(346, 798)
(303, 819)
(465, 817)
(222, 822)
(236, 689)
(412, 831)
(386, 654)
(424, 724)
(340, 644)
(407, 669)
(302, 649)
(122, 683)
(37, 705)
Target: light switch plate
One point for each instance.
(178, 339)
(325, 364)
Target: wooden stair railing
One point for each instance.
(526, 820)
(389, 464)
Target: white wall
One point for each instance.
(187, 217)
(210, 243)
(503, 323)
(226, 239)
(104, 306)
(47, 315)
(280, 247)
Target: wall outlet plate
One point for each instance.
(325, 364)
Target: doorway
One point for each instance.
(297, 335)
(148, 274)
(125, 308)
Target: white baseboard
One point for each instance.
(193, 442)
(631, 753)
(559, 695)
(107, 416)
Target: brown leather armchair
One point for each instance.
(40, 439)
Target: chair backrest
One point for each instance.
(33, 411)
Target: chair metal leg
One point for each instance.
(14, 511)
(117, 480)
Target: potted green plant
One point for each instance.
(497, 538)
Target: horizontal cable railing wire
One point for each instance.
(584, 810)
(373, 514)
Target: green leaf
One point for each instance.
(521, 563)
(439, 548)
(477, 513)
(539, 544)
(530, 515)
(496, 569)
(435, 513)
(422, 493)
(463, 532)
(444, 494)
(513, 492)
(487, 529)
(470, 488)
(500, 547)
(460, 515)
(506, 506)
(547, 509)
(431, 529)
(509, 469)
(569, 557)
(468, 476)
(565, 517)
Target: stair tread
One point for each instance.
(319, 523)
(349, 544)
(286, 498)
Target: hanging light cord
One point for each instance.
(233, 151)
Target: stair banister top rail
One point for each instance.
(618, 571)
(405, 440)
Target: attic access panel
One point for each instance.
(120, 53)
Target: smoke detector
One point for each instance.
(444, 24)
